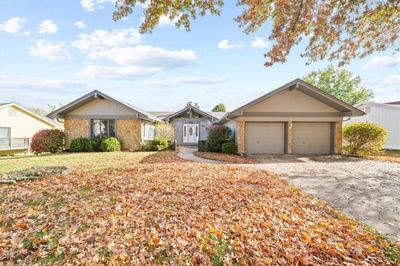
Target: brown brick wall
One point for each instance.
(75, 128)
(241, 128)
(338, 137)
(129, 132)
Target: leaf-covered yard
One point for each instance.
(178, 213)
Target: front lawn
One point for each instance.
(92, 162)
(179, 214)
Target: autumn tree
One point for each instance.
(219, 108)
(334, 30)
(340, 83)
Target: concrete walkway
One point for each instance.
(186, 153)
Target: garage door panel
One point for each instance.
(311, 138)
(265, 138)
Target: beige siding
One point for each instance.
(291, 101)
(75, 128)
(22, 124)
(99, 107)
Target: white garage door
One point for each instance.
(265, 138)
(311, 138)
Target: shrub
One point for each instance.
(165, 131)
(364, 138)
(81, 145)
(202, 145)
(229, 148)
(96, 143)
(160, 144)
(48, 140)
(217, 136)
(110, 144)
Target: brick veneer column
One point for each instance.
(240, 126)
(289, 137)
(338, 137)
(129, 132)
(75, 128)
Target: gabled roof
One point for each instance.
(98, 94)
(45, 120)
(192, 108)
(394, 103)
(308, 89)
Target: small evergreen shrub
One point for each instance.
(202, 145)
(81, 145)
(110, 144)
(48, 140)
(217, 136)
(96, 143)
(160, 144)
(364, 138)
(229, 148)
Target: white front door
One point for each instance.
(190, 133)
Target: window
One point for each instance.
(102, 128)
(5, 132)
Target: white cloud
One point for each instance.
(184, 80)
(49, 50)
(146, 55)
(116, 72)
(166, 21)
(260, 43)
(19, 82)
(80, 24)
(100, 39)
(13, 25)
(47, 27)
(383, 62)
(226, 45)
(91, 5)
(27, 33)
(392, 79)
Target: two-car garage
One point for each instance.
(275, 137)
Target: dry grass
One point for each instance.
(92, 162)
(227, 158)
(388, 156)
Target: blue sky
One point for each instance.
(55, 51)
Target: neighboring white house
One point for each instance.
(18, 125)
(385, 115)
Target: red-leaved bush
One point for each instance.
(48, 140)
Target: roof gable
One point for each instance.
(301, 86)
(190, 108)
(40, 118)
(94, 95)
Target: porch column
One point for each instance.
(290, 137)
(240, 128)
(338, 137)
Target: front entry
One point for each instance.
(190, 133)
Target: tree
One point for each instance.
(219, 108)
(340, 83)
(44, 112)
(334, 30)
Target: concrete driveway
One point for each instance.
(364, 189)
